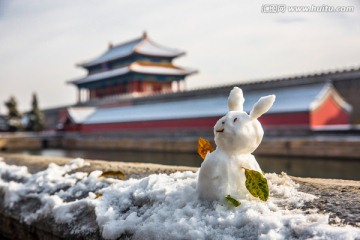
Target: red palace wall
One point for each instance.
(196, 123)
(72, 127)
(329, 113)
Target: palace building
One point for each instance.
(135, 89)
(300, 108)
(137, 67)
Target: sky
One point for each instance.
(228, 41)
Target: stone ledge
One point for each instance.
(347, 147)
(131, 169)
(339, 198)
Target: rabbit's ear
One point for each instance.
(262, 106)
(236, 100)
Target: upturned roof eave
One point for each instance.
(90, 64)
(81, 80)
(136, 49)
(94, 63)
(182, 70)
(330, 91)
(159, 55)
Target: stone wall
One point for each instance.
(321, 146)
(19, 142)
(335, 147)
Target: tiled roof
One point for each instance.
(102, 75)
(137, 67)
(160, 69)
(288, 99)
(142, 45)
(317, 77)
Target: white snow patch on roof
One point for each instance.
(160, 111)
(115, 52)
(134, 67)
(79, 114)
(289, 99)
(102, 75)
(148, 47)
(161, 207)
(153, 69)
(139, 45)
(160, 70)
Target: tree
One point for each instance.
(36, 117)
(13, 117)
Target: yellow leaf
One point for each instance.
(113, 174)
(204, 146)
(98, 195)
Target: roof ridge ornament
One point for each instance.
(144, 36)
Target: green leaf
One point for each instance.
(257, 184)
(233, 201)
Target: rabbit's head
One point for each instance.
(237, 131)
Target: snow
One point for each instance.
(80, 114)
(135, 67)
(327, 91)
(161, 206)
(148, 47)
(161, 70)
(289, 99)
(237, 135)
(102, 75)
(160, 111)
(139, 45)
(119, 51)
(236, 100)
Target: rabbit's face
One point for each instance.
(237, 132)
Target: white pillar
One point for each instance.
(184, 85)
(82, 95)
(79, 95)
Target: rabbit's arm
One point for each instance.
(250, 163)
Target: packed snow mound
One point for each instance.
(158, 207)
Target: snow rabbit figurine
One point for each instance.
(237, 135)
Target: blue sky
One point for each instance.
(227, 41)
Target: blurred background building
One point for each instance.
(134, 89)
